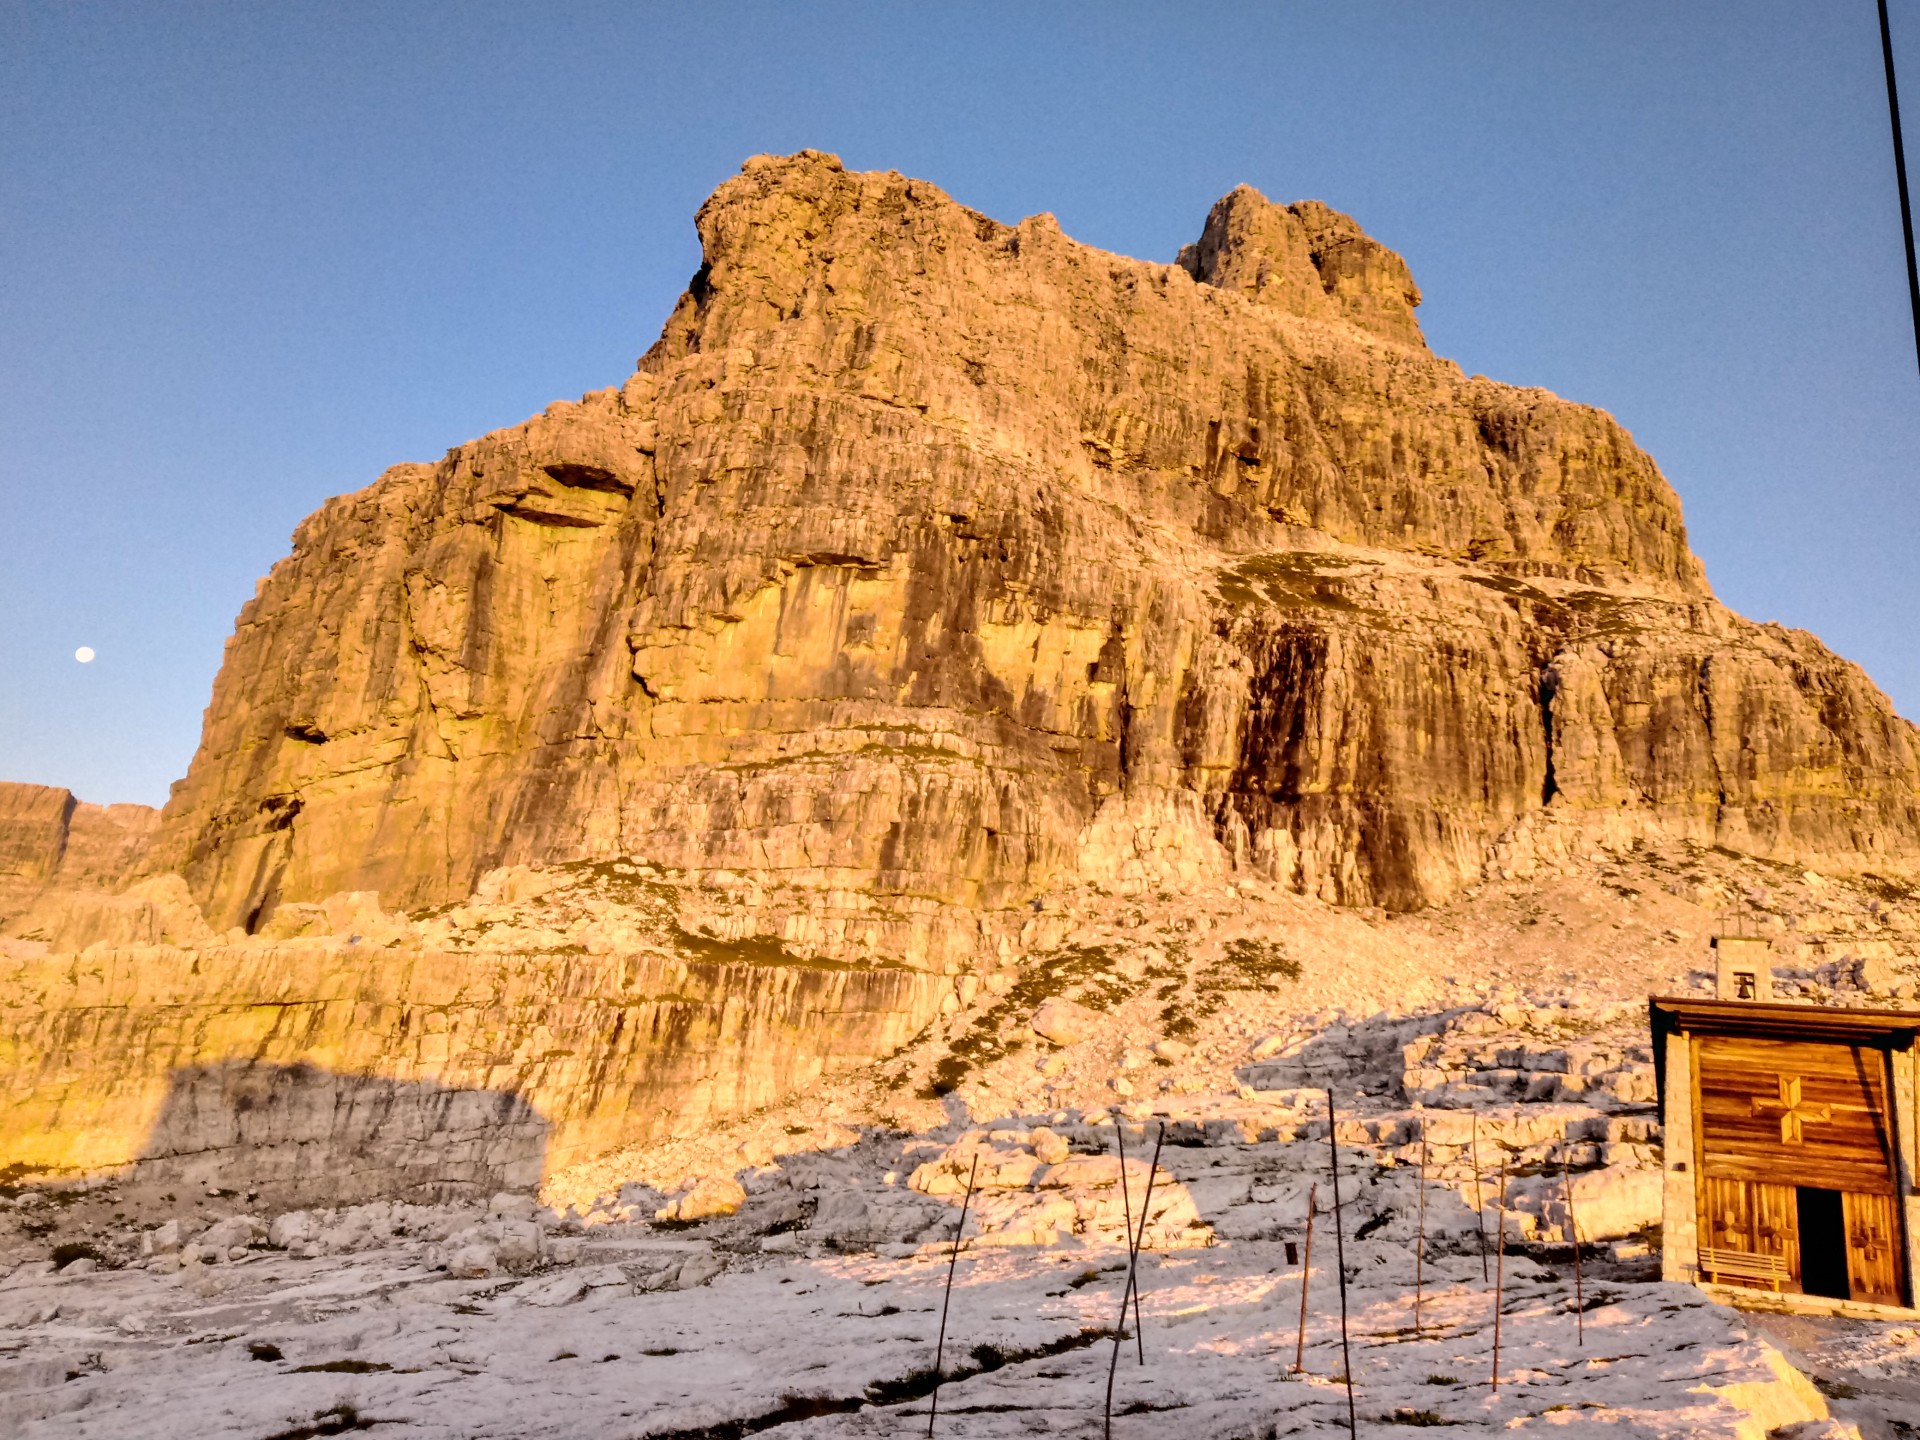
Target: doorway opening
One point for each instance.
(1823, 1243)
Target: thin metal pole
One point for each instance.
(1900, 173)
(1479, 1209)
(1306, 1274)
(1340, 1264)
(1500, 1276)
(1420, 1243)
(1573, 1234)
(1126, 1210)
(1140, 1241)
(940, 1345)
(1146, 1202)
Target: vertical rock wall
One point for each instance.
(922, 552)
(49, 841)
(923, 564)
(322, 1073)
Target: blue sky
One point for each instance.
(251, 255)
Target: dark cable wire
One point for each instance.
(1340, 1262)
(1900, 172)
(940, 1346)
(1135, 1241)
(1120, 1135)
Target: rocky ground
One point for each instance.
(814, 1306)
(1529, 988)
(786, 1270)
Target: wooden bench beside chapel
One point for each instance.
(1790, 1150)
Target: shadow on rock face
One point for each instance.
(1360, 1056)
(304, 1135)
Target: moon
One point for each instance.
(83, 654)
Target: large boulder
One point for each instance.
(704, 1199)
(1063, 1022)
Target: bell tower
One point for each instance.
(1742, 968)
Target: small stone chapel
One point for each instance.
(1790, 1141)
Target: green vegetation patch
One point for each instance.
(1507, 585)
(1086, 970)
(1891, 892)
(1296, 580)
(1584, 614)
(623, 882)
(336, 1421)
(749, 950)
(1244, 964)
(1599, 615)
(16, 1179)
(1247, 964)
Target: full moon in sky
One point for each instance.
(83, 654)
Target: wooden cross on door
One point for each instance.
(1794, 1115)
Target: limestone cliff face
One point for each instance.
(322, 1073)
(52, 842)
(926, 560)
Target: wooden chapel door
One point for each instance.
(1873, 1247)
(1753, 1217)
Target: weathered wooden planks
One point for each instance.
(1791, 1146)
(1754, 1219)
(1781, 1112)
(1873, 1248)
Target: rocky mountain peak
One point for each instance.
(964, 693)
(927, 562)
(1309, 259)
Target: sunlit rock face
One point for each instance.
(54, 847)
(926, 561)
(316, 1072)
